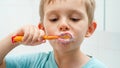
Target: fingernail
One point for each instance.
(39, 39)
(43, 41)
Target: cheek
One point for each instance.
(49, 29)
(81, 30)
(79, 35)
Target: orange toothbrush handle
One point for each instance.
(19, 38)
(50, 37)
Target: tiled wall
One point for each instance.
(112, 15)
(104, 44)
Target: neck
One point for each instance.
(67, 58)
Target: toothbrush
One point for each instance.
(19, 38)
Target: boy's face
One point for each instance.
(66, 17)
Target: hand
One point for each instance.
(32, 35)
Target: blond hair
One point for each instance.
(89, 4)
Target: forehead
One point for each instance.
(63, 4)
(59, 1)
(51, 2)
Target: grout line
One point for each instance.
(104, 18)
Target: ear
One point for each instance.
(41, 26)
(91, 29)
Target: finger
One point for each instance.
(30, 35)
(42, 33)
(26, 33)
(37, 43)
(36, 35)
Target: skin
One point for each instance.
(32, 37)
(67, 16)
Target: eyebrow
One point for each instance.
(77, 12)
(69, 11)
(53, 11)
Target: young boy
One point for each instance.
(58, 17)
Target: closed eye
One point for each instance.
(74, 19)
(54, 19)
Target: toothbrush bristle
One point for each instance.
(66, 36)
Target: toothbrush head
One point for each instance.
(65, 36)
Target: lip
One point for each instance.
(65, 41)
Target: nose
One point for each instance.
(64, 27)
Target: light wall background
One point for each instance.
(104, 44)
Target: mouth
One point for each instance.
(65, 38)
